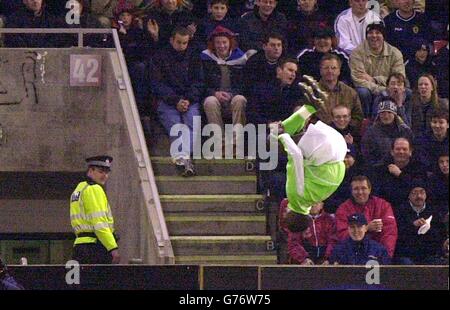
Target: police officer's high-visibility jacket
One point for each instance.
(90, 214)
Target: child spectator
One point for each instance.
(421, 63)
(218, 16)
(377, 140)
(254, 25)
(163, 17)
(424, 101)
(342, 122)
(302, 25)
(397, 92)
(315, 244)
(358, 248)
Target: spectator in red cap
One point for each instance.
(221, 76)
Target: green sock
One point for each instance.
(297, 121)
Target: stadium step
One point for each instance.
(217, 245)
(197, 225)
(226, 167)
(206, 185)
(216, 217)
(212, 203)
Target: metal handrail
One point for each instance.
(163, 239)
(79, 31)
(154, 210)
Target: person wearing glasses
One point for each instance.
(91, 217)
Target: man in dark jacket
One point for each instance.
(394, 179)
(262, 67)
(275, 99)
(32, 15)
(420, 232)
(358, 249)
(174, 70)
(309, 58)
(254, 25)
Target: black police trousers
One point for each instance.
(91, 253)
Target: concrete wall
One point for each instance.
(49, 126)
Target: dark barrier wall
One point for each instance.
(181, 277)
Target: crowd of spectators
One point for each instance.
(383, 64)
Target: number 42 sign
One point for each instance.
(85, 70)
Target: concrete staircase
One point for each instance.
(216, 217)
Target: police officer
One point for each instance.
(91, 217)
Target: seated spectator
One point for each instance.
(371, 63)
(87, 20)
(352, 169)
(342, 122)
(393, 180)
(263, 19)
(397, 92)
(338, 92)
(276, 100)
(440, 62)
(137, 54)
(104, 9)
(424, 101)
(437, 13)
(359, 248)
(221, 74)
(332, 8)
(431, 144)
(262, 67)
(174, 70)
(350, 26)
(405, 27)
(382, 226)
(377, 140)
(302, 24)
(31, 15)
(439, 187)
(416, 244)
(218, 16)
(314, 245)
(420, 64)
(389, 6)
(324, 42)
(163, 17)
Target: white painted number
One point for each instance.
(93, 65)
(78, 72)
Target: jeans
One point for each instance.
(169, 117)
(366, 97)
